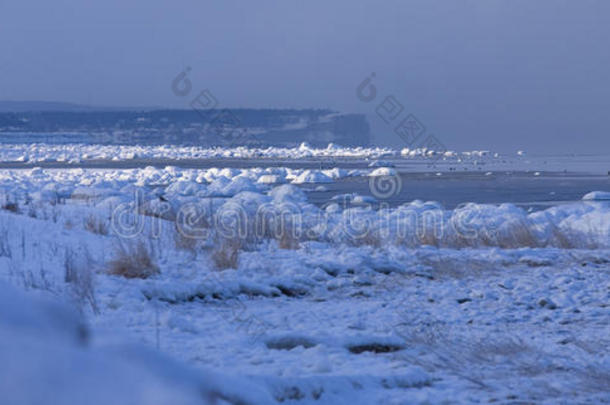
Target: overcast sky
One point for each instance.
(501, 75)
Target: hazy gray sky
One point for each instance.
(501, 75)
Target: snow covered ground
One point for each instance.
(225, 285)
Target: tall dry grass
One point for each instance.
(79, 274)
(133, 259)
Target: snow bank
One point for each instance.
(45, 358)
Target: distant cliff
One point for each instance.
(228, 127)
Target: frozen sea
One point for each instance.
(533, 183)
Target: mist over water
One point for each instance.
(498, 75)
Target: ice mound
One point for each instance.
(353, 198)
(353, 220)
(240, 184)
(384, 171)
(312, 176)
(245, 202)
(336, 173)
(597, 196)
(380, 163)
(225, 187)
(271, 179)
(91, 193)
(288, 193)
(183, 188)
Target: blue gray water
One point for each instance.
(526, 190)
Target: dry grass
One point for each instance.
(434, 232)
(273, 225)
(428, 238)
(5, 245)
(473, 357)
(573, 239)
(96, 225)
(448, 267)
(30, 279)
(287, 240)
(507, 236)
(285, 233)
(11, 207)
(225, 253)
(187, 235)
(184, 242)
(133, 260)
(235, 233)
(559, 238)
(594, 379)
(485, 359)
(517, 236)
(80, 276)
(32, 211)
(368, 237)
(162, 211)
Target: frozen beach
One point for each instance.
(303, 276)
